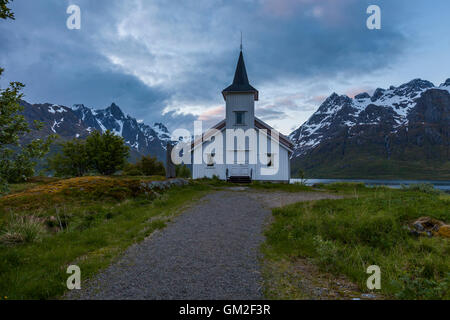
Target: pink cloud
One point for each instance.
(317, 99)
(212, 114)
(352, 92)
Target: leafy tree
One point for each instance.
(5, 12)
(182, 171)
(107, 152)
(73, 161)
(17, 161)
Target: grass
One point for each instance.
(88, 227)
(366, 228)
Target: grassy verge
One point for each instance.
(344, 237)
(87, 222)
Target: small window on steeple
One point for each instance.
(240, 116)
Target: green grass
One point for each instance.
(83, 231)
(366, 228)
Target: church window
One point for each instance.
(240, 116)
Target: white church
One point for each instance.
(241, 148)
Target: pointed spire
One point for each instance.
(241, 41)
(240, 82)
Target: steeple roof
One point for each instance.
(240, 82)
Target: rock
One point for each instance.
(377, 94)
(426, 226)
(444, 231)
(363, 95)
(418, 226)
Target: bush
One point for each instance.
(132, 170)
(147, 166)
(422, 187)
(409, 287)
(182, 171)
(150, 166)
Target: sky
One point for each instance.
(168, 61)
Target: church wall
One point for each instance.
(283, 174)
(240, 102)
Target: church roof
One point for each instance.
(240, 82)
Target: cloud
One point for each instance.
(169, 60)
(352, 92)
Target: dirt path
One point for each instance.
(209, 252)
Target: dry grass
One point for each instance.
(22, 230)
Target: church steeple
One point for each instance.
(240, 82)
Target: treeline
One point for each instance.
(104, 154)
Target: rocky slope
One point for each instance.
(397, 132)
(79, 121)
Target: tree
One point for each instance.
(107, 152)
(150, 166)
(73, 161)
(5, 12)
(17, 161)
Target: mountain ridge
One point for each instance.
(397, 127)
(79, 121)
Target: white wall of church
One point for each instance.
(240, 102)
(220, 170)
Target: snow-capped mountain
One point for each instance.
(390, 124)
(79, 120)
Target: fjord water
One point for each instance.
(441, 185)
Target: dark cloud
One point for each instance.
(163, 60)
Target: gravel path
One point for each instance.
(211, 251)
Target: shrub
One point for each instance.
(422, 187)
(409, 287)
(146, 166)
(182, 171)
(150, 166)
(132, 170)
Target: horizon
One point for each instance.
(168, 63)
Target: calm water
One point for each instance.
(441, 185)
